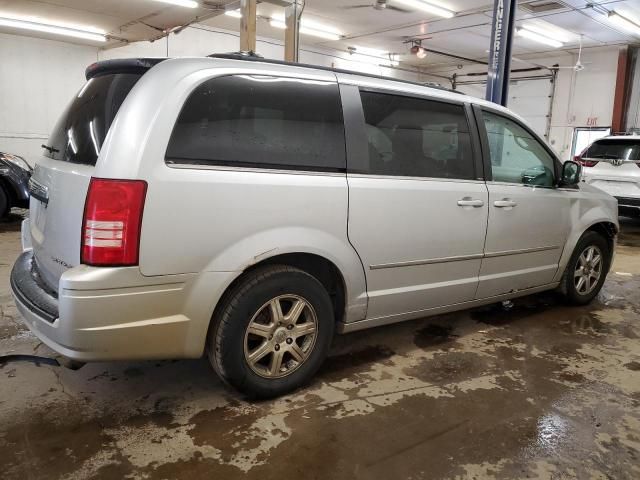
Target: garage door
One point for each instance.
(531, 99)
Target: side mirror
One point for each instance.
(571, 173)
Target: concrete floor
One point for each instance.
(540, 391)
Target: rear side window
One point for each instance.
(264, 122)
(80, 132)
(612, 149)
(416, 137)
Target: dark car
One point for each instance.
(14, 182)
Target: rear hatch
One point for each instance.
(613, 165)
(61, 178)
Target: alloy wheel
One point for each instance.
(280, 337)
(588, 270)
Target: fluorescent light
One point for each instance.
(372, 56)
(427, 7)
(536, 37)
(551, 31)
(624, 22)
(180, 3)
(233, 13)
(308, 27)
(36, 25)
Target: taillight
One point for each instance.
(585, 163)
(588, 163)
(112, 221)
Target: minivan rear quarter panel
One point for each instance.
(196, 217)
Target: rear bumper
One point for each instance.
(142, 318)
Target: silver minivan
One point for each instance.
(248, 209)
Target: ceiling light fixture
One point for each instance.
(233, 13)
(624, 22)
(180, 3)
(427, 7)
(550, 31)
(38, 25)
(309, 28)
(419, 51)
(536, 37)
(373, 56)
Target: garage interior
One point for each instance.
(526, 389)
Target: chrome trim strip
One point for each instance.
(520, 251)
(184, 166)
(461, 258)
(404, 178)
(429, 261)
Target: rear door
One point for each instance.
(529, 218)
(417, 204)
(61, 177)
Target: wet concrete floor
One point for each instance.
(540, 391)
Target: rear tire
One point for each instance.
(4, 202)
(271, 332)
(587, 269)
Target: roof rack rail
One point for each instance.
(254, 57)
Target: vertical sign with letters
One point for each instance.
(504, 13)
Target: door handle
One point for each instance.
(504, 203)
(470, 202)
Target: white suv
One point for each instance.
(248, 209)
(613, 165)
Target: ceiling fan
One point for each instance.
(378, 5)
(579, 66)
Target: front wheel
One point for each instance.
(272, 331)
(587, 269)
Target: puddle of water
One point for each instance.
(342, 365)
(434, 335)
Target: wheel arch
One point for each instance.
(319, 267)
(603, 226)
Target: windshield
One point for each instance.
(624, 149)
(82, 128)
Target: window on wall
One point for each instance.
(516, 156)
(415, 137)
(259, 121)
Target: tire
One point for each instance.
(4, 202)
(253, 302)
(571, 280)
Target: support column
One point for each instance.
(504, 16)
(620, 101)
(248, 25)
(292, 33)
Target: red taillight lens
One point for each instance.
(112, 221)
(585, 163)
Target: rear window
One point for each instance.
(612, 149)
(82, 128)
(416, 137)
(260, 121)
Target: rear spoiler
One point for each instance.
(126, 65)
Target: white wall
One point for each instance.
(38, 78)
(581, 99)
